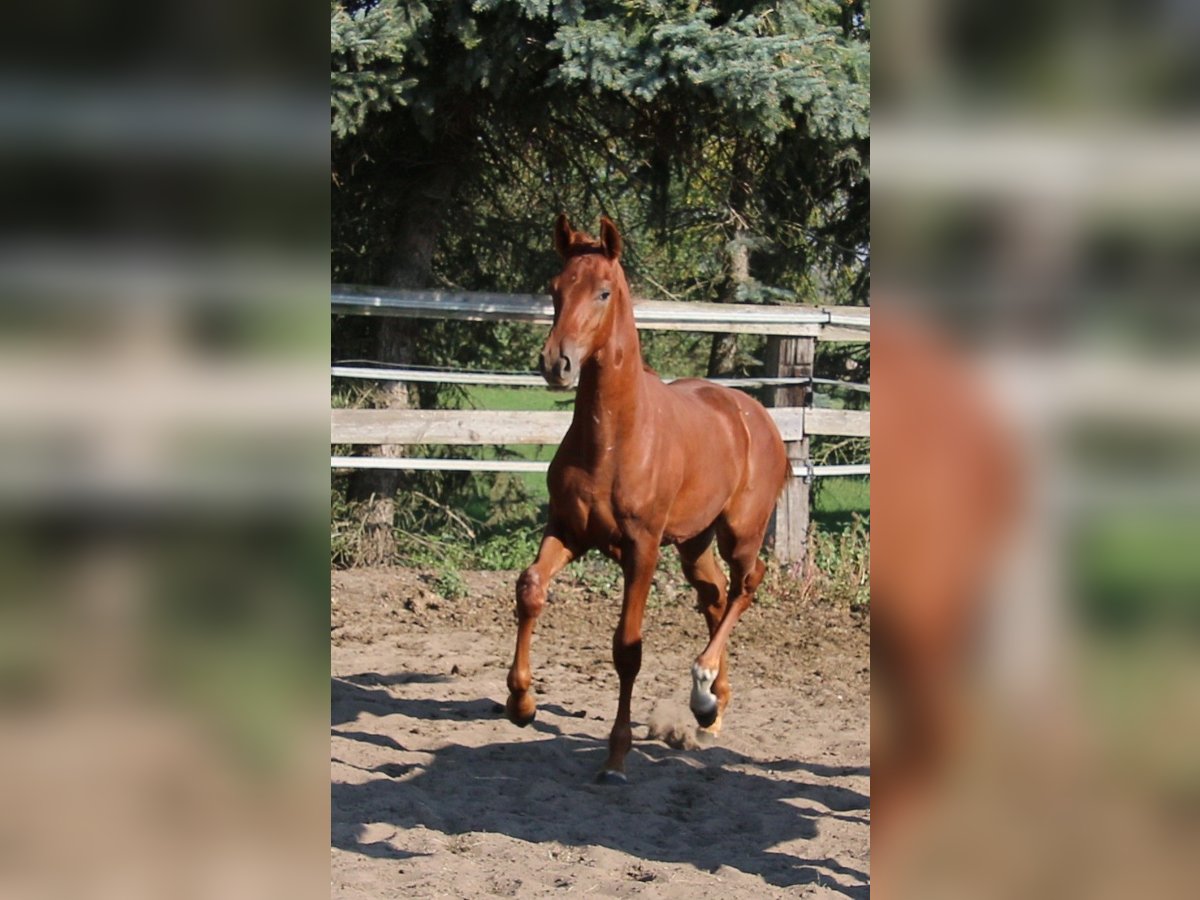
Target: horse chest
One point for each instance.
(599, 507)
(583, 503)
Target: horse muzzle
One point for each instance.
(561, 370)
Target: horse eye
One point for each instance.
(604, 295)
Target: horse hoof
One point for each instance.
(710, 733)
(518, 715)
(611, 776)
(706, 718)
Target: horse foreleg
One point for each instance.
(531, 600)
(638, 562)
(746, 571)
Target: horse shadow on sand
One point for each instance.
(679, 807)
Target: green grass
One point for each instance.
(837, 500)
(533, 398)
(521, 398)
(1139, 572)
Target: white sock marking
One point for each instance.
(703, 700)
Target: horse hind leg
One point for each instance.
(746, 574)
(702, 571)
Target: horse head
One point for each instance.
(587, 293)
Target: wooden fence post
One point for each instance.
(791, 358)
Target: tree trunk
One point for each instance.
(722, 356)
(414, 240)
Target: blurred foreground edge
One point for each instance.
(944, 493)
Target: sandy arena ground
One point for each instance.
(435, 794)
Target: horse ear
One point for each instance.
(610, 238)
(562, 235)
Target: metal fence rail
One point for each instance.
(431, 375)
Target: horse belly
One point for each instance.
(685, 529)
(709, 481)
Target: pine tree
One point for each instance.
(729, 139)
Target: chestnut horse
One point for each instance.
(645, 464)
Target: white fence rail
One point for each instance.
(485, 427)
(824, 323)
(419, 464)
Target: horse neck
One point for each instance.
(610, 383)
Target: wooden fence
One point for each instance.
(792, 335)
